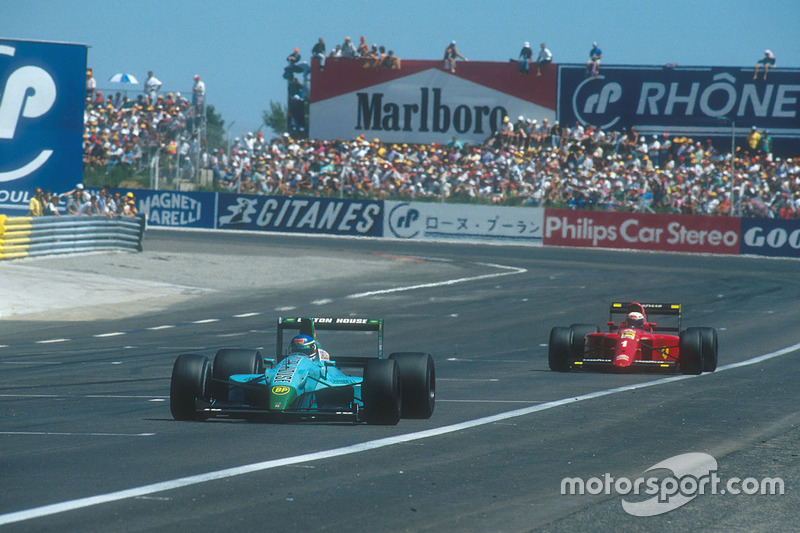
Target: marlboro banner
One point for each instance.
(422, 102)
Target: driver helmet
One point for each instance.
(305, 345)
(635, 319)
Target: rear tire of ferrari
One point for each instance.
(710, 348)
(690, 351)
(228, 362)
(559, 349)
(418, 383)
(191, 375)
(382, 392)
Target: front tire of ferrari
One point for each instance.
(191, 375)
(690, 351)
(578, 345)
(418, 383)
(559, 349)
(381, 392)
(228, 362)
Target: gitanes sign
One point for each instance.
(424, 103)
(42, 87)
(330, 216)
(693, 101)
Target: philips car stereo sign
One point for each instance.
(41, 118)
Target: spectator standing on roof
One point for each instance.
(545, 58)
(348, 48)
(198, 93)
(767, 61)
(525, 58)
(593, 65)
(151, 87)
(450, 55)
(363, 48)
(318, 51)
(91, 84)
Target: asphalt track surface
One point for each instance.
(87, 442)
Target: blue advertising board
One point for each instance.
(301, 214)
(701, 102)
(41, 119)
(175, 209)
(770, 236)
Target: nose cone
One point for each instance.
(627, 346)
(281, 397)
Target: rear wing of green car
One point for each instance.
(650, 309)
(309, 326)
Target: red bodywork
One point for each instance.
(625, 345)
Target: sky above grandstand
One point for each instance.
(239, 47)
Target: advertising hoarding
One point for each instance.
(41, 119)
(423, 102)
(700, 102)
(639, 231)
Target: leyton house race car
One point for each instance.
(304, 382)
(635, 343)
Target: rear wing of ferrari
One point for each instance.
(310, 325)
(650, 309)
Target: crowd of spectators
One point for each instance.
(80, 201)
(125, 131)
(526, 163)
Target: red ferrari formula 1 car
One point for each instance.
(635, 343)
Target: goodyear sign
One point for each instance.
(42, 88)
(690, 101)
(771, 236)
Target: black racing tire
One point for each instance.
(579, 332)
(418, 383)
(381, 392)
(690, 351)
(559, 348)
(228, 362)
(710, 347)
(191, 376)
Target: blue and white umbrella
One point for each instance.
(122, 77)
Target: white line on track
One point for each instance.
(206, 321)
(508, 271)
(65, 434)
(246, 315)
(156, 328)
(112, 334)
(438, 400)
(52, 341)
(146, 490)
